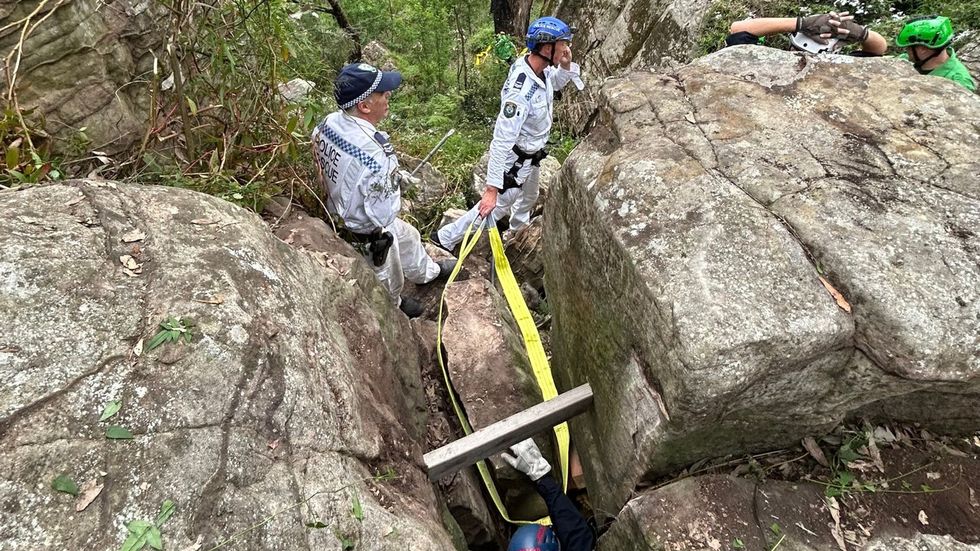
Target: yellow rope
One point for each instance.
(536, 355)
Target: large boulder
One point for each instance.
(82, 65)
(625, 35)
(296, 402)
(753, 247)
(716, 512)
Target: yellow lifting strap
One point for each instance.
(535, 352)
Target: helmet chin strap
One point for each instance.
(549, 58)
(920, 62)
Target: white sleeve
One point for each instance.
(513, 112)
(382, 198)
(560, 77)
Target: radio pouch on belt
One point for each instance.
(379, 248)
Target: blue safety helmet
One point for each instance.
(533, 537)
(545, 30)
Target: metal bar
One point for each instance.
(433, 152)
(502, 434)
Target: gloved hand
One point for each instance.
(529, 460)
(817, 27)
(405, 180)
(848, 29)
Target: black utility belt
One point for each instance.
(376, 244)
(510, 177)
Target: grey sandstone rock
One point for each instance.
(301, 382)
(685, 240)
(82, 66)
(921, 542)
(710, 513)
(625, 35)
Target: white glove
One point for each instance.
(406, 180)
(529, 460)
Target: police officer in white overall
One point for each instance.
(522, 129)
(358, 171)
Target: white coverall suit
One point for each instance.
(525, 121)
(357, 166)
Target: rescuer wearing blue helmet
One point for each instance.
(569, 531)
(522, 129)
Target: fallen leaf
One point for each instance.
(874, 453)
(63, 483)
(835, 530)
(274, 444)
(111, 408)
(196, 546)
(884, 434)
(923, 518)
(815, 452)
(973, 499)
(129, 262)
(844, 305)
(203, 221)
(138, 349)
(118, 433)
(89, 491)
(133, 236)
(690, 117)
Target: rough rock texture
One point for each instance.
(968, 51)
(920, 542)
(712, 512)
(625, 35)
(524, 254)
(84, 66)
(685, 238)
(492, 376)
(420, 200)
(483, 528)
(302, 381)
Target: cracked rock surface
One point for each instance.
(686, 238)
(85, 66)
(301, 380)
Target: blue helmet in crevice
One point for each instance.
(547, 30)
(533, 537)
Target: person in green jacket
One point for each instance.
(927, 41)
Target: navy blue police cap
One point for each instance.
(357, 81)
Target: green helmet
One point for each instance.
(931, 31)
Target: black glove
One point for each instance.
(854, 32)
(816, 25)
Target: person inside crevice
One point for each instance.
(569, 530)
(927, 42)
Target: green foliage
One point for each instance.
(118, 433)
(111, 408)
(357, 511)
(142, 533)
(63, 483)
(172, 330)
(26, 150)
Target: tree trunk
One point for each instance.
(344, 24)
(511, 16)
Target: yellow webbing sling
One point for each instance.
(535, 352)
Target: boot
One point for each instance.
(411, 307)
